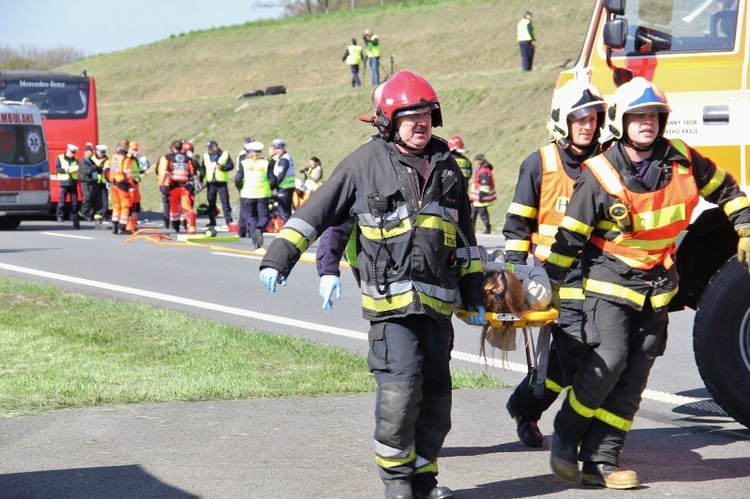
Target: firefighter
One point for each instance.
(139, 165)
(217, 164)
(482, 192)
(545, 183)
(120, 178)
(629, 206)
(457, 150)
(66, 169)
(178, 178)
(415, 247)
(254, 183)
(101, 192)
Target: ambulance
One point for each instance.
(24, 166)
(696, 51)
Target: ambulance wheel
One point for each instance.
(721, 339)
(9, 223)
(210, 232)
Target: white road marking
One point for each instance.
(66, 235)
(667, 398)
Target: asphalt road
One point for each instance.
(682, 443)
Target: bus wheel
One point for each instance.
(9, 223)
(721, 339)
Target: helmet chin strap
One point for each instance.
(638, 148)
(397, 140)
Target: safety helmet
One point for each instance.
(405, 93)
(187, 146)
(133, 145)
(637, 96)
(571, 102)
(456, 144)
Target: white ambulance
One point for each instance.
(24, 166)
(697, 52)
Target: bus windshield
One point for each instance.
(56, 99)
(680, 26)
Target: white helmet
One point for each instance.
(637, 96)
(573, 101)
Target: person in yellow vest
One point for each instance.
(353, 58)
(629, 206)
(101, 192)
(139, 165)
(253, 180)
(217, 164)
(545, 183)
(526, 37)
(66, 170)
(284, 179)
(372, 52)
(482, 192)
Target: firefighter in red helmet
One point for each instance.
(415, 247)
(458, 150)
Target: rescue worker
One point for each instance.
(312, 178)
(178, 178)
(629, 206)
(457, 151)
(545, 183)
(88, 176)
(284, 178)
(101, 191)
(217, 164)
(526, 37)
(372, 53)
(161, 170)
(253, 180)
(353, 58)
(415, 247)
(66, 169)
(120, 178)
(139, 165)
(482, 192)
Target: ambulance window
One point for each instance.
(21, 145)
(658, 26)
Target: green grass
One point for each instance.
(61, 350)
(186, 86)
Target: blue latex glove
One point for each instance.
(269, 277)
(477, 320)
(109, 185)
(329, 283)
(94, 176)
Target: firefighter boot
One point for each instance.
(608, 476)
(115, 227)
(176, 225)
(76, 224)
(425, 486)
(398, 489)
(563, 460)
(258, 238)
(527, 430)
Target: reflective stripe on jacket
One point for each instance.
(482, 194)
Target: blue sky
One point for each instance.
(102, 26)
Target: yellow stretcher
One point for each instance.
(530, 318)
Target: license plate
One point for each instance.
(9, 198)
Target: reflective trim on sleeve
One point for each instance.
(714, 183)
(295, 238)
(517, 245)
(575, 226)
(522, 210)
(735, 204)
(474, 267)
(560, 260)
(302, 227)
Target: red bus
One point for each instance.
(68, 106)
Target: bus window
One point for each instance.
(658, 26)
(56, 99)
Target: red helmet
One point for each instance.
(404, 92)
(187, 146)
(455, 143)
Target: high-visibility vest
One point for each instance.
(488, 197)
(69, 168)
(255, 183)
(657, 218)
(355, 55)
(101, 164)
(213, 173)
(555, 190)
(372, 49)
(288, 182)
(524, 34)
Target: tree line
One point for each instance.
(35, 58)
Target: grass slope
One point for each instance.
(186, 86)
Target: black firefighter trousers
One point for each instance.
(410, 360)
(611, 376)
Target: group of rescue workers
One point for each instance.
(599, 208)
(262, 183)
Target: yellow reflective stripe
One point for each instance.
(575, 226)
(560, 260)
(542, 252)
(581, 409)
(474, 267)
(611, 289)
(388, 303)
(680, 146)
(434, 222)
(662, 217)
(714, 183)
(517, 245)
(571, 294)
(295, 238)
(662, 299)
(646, 244)
(606, 225)
(552, 386)
(522, 210)
(613, 420)
(393, 462)
(547, 230)
(606, 175)
(374, 233)
(439, 306)
(735, 204)
(549, 157)
(428, 468)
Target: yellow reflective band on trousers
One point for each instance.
(714, 183)
(615, 290)
(576, 227)
(295, 238)
(517, 245)
(552, 386)
(735, 204)
(403, 300)
(522, 210)
(428, 468)
(581, 409)
(393, 462)
(600, 414)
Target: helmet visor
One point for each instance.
(582, 112)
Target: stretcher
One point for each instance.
(529, 318)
